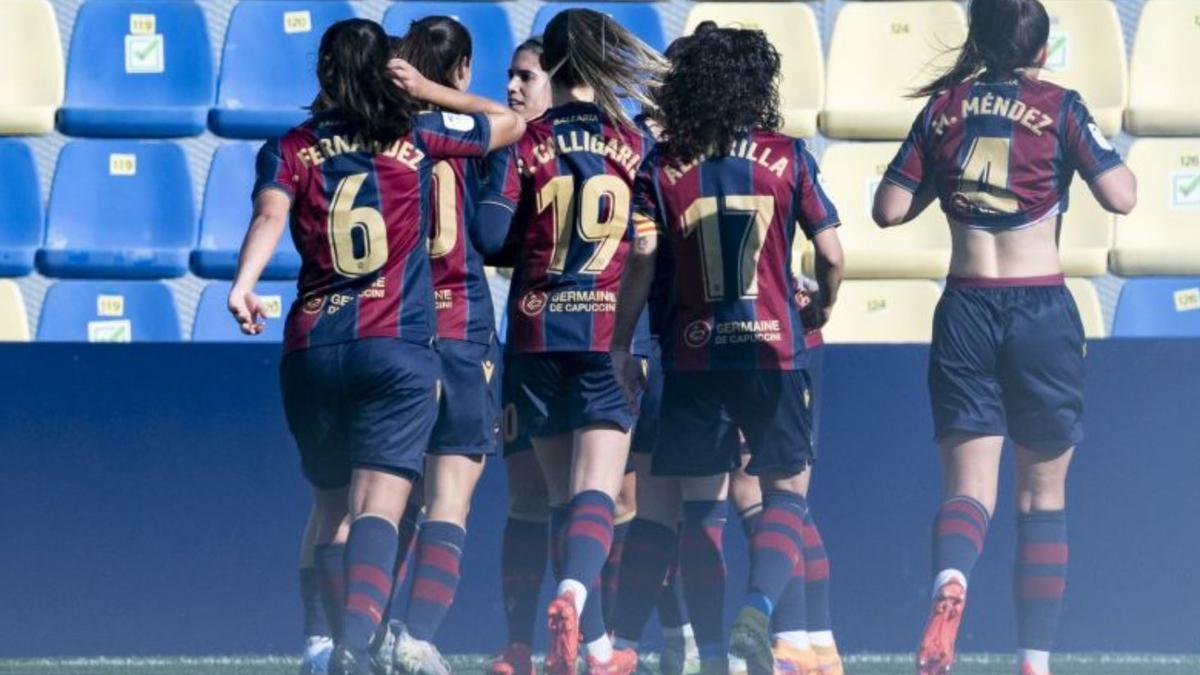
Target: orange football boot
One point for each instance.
(516, 659)
(563, 622)
(936, 653)
(623, 662)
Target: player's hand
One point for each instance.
(630, 374)
(812, 311)
(409, 78)
(247, 310)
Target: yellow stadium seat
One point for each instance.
(31, 67)
(1088, 302)
(920, 249)
(883, 311)
(1086, 52)
(792, 28)
(1164, 89)
(14, 324)
(1162, 235)
(1086, 234)
(879, 53)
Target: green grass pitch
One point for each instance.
(860, 664)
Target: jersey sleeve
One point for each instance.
(445, 134)
(502, 178)
(814, 209)
(1085, 147)
(646, 215)
(907, 168)
(272, 171)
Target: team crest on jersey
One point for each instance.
(533, 303)
(697, 333)
(314, 304)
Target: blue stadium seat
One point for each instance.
(215, 324)
(1158, 307)
(225, 215)
(641, 18)
(119, 209)
(109, 311)
(268, 65)
(20, 209)
(138, 68)
(491, 38)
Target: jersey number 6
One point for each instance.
(357, 235)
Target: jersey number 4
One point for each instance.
(602, 219)
(703, 219)
(985, 175)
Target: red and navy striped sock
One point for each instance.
(1041, 577)
(370, 561)
(611, 573)
(404, 545)
(791, 612)
(703, 567)
(589, 534)
(652, 548)
(522, 566)
(959, 531)
(329, 560)
(315, 623)
(777, 545)
(439, 552)
(672, 607)
(816, 579)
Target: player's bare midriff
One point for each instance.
(1030, 251)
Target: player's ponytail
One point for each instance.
(356, 86)
(437, 46)
(723, 83)
(583, 47)
(1004, 36)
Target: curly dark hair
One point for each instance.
(723, 83)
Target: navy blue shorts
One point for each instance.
(468, 419)
(365, 404)
(1008, 360)
(702, 411)
(514, 436)
(559, 392)
(645, 433)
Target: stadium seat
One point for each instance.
(491, 38)
(138, 68)
(109, 311)
(640, 18)
(1088, 302)
(14, 325)
(883, 311)
(1164, 91)
(1086, 52)
(1086, 233)
(920, 249)
(31, 67)
(1162, 307)
(879, 53)
(226, 214)
(20, 209)
(119, 209)
(214, 323)
(268, 65)
(792, 28)
(1162, 235)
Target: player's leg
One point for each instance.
(818, 617)
(969, 422)
(773, 409)
(523, 552)
(625, 513)
(318, 634)
(1043, 375)
(702, 564)
(745, 493)
(392, 405)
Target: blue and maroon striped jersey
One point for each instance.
(360, 220)
(460, 288)
(730, 224)
(1001, 154)
(570, 181)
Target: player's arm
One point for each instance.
(636, 280)
(830, 268)
(506, 125)
(1096, 160)
(266, 227)
(1116, 190)
(491, 227)
(906, 189)
(818, 218)
(896, 204)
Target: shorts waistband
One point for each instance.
(1005, 282)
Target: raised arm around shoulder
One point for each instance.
(506, 125)
(896, 205)
(1116, 190)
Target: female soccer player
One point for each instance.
(572, 176)
(731, 194)
(525, 540)
(359, 373)
(998, 148)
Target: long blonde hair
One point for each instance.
(586, 47)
